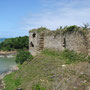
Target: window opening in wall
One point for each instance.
(31, 44)
(64, 43)
(34, 34)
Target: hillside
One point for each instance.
(16, 43)
(52, 70)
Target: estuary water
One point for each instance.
(6, 64)
(2, 39)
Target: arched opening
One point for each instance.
(31, 44)
(34, 35)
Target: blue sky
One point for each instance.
(17, 17)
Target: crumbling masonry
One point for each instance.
(59, 40)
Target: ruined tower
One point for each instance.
(43, 38)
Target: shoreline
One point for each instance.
(12, 69)
(7, 54)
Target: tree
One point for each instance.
(15, 43)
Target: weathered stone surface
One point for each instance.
(71, 40)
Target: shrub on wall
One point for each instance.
(72, 28)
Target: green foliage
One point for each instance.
(72, 28)
(42, 29)
(11, 80)
(63, 30)
(47, 66)
(23, 56)
(67, 55)
(66, 29)
(72, 56)
(51, 52)
(17, 82)
(39, 30)
(38, 87)
(15, 43)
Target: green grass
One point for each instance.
(40, 30)
(38, 87)
(67, 55)
(72, 57)
(51, 52)
(11, 81)
(42, 72)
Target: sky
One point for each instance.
(17, 17)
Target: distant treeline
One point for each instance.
(17, 43)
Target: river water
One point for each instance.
(6, 64)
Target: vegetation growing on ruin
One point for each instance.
(68, 28)
(46, 70)
(40, 30)
(72, 28)
(63, 30)
(17, 43)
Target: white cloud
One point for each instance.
(57, 12)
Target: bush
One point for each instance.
(72, 56)
(17, 43)
(51, 52)
(72, 28)
(23, 56)
(38, 87)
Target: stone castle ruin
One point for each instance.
(72, 38)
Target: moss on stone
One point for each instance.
(61, 30)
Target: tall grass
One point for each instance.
(38, 87)
(67, 55)
(72, 56)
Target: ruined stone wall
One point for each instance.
(54, 42)
(88, 42)
(33, 43)
(75, 40)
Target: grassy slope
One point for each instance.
(47, 72)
